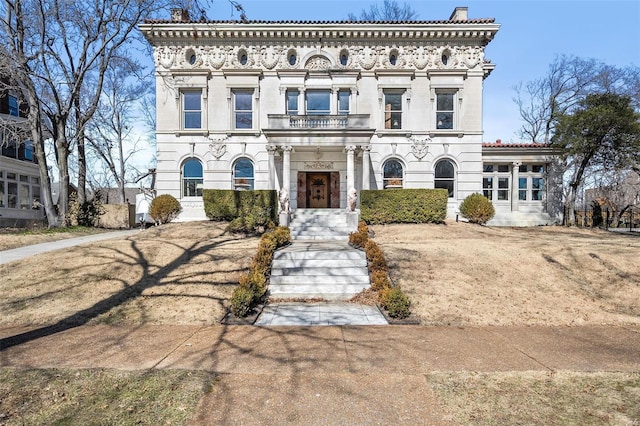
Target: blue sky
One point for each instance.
(532, 33)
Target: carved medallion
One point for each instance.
(217, 147)
(420, 147)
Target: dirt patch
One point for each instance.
(180, 273)
(465, 275)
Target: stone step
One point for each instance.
(362, 280)
(320, 256)
(317, 263)
(320, 238)
(314, 291)
(306, 271)
(319, 228)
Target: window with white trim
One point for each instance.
(14, 108)
(531, 182)
(445, 176)
(392, 174)
(318, 102)
(496, 179)
(343, 101)
(192, 178)
(192, 109)
(445, 110)
(243, 176)
(292, 101)
(243, 109)
(392, 109)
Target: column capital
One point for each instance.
(365, 148)
(517, 163)
(286, 148)
(272, 149)
(350, 148)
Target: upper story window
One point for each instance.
(13, 106)
(243, 109)
(192, 178)
(444, 110)
(392, 174)
(318, 102)
(445, 176)
(343, 102)
(192, 109)
(28, 150)
(292, 102)
(392, 110)
(243, 174)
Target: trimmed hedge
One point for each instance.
(403, 206)
(246, 210)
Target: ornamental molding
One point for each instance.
(420, 147)
(263, 56)
(218, 147)
(318, 165)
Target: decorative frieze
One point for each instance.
(318, 165)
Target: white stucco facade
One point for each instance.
(320, 107)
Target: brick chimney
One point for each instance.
(460, 14)
(498, 141)
(179, 15)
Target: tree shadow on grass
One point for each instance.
(152, 276)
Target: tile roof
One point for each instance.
(344, 22)
(515, 145)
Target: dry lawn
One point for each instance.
(467, 275)
(180, 273)
(15, 237)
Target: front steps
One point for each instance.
(320, 224)
(329, 270)
(520, 219)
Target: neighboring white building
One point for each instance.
(320, 107)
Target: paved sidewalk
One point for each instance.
(19, 253)
(316, 375)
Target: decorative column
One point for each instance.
(515, 185)
(286, 167)
(350, 166)
(352, 194)
(365, 166)
(272, 166)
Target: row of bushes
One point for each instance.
(252, 286)
(389, 296)
(246, 211)
(403, 206)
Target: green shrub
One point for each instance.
(397, 303)
(164, 208)
(241, 301)
(403, 206)
(477, 208)
(282, 234)
(380, 280)
(359, 238)
(247, 211)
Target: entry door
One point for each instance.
(318, 190)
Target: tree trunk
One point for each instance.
(63, 172)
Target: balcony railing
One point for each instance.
(301, 122)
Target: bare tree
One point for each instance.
(569, 80)
(390, 10)
(60, 51)
(112, 134)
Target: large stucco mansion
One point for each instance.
(320, 107)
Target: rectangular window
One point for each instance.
(487, 168)
(522, 168)
(12, 195)
(192, 109)
(2, 193)
(522, 188)
(13, 106)
(503, 188)
(343, 102)
(243, 109)
(28, 150)
(392, 110)
(487, 187)
(444, 111)
(25, 199)
(537, 168)
(318, 102)
(10, 149)
(292, 102)
(537, 188)
(35, 193)
(503, 168)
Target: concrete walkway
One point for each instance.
(19, 253)
(324, 375)
(332, 313)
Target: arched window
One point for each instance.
(192, 178)
(243, 174)
(392, 174)
(445, 176)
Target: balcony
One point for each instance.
(316, 130)
(336, 122)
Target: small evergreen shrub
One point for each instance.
(397, 303)
(164, 208)
(380, 280)
(359, 238)
(282, 234)
(241, 301)
(477, 209)
(375, 257)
